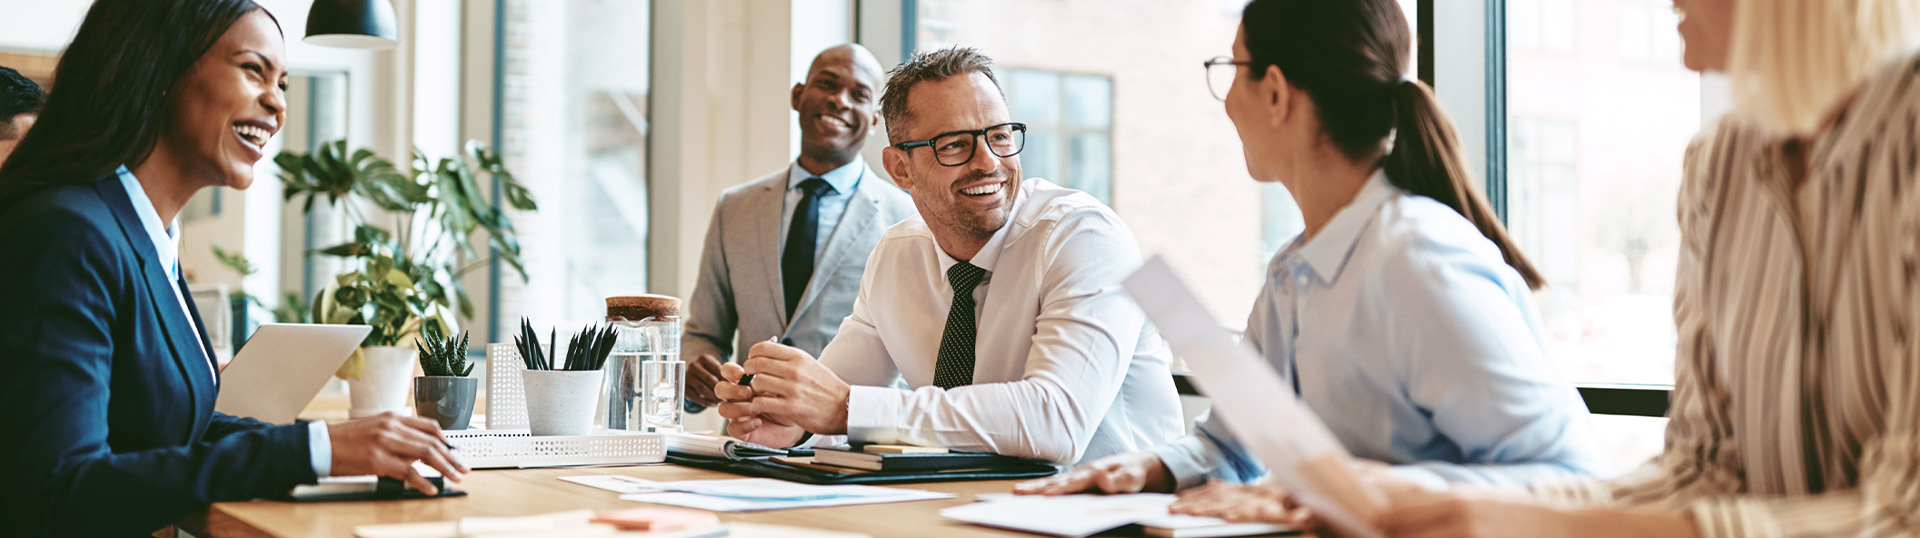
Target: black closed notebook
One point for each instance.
(804, 470)
(855, 458)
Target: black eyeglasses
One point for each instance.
(957, 147)
(1220, 74)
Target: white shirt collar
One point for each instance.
(843, 179)
(1327, 252)
(165, 243)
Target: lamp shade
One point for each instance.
(352, 24)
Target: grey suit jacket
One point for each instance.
(740, 289)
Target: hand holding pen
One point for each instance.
(744, 398)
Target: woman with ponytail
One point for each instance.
(1402, 314)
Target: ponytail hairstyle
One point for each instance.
(109, 101)
(1350, 57)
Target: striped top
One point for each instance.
(1796, 408)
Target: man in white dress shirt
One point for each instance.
(1039, 354)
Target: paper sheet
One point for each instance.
(750, 494)
(1072, 516)
(1270, 421)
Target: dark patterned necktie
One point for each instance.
(796, 261)
(955, 365)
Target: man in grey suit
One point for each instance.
(784, 252)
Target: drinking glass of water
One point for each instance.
(664, 384)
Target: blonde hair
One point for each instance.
(1791, 61)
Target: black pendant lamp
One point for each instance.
(352, 24)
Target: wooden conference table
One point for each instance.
(519, 492)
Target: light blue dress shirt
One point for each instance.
(843, 179)
(1400, 325)
(166, 244)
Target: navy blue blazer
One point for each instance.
(106, 402)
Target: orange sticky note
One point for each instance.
(656, 519)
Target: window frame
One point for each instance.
(1063, 129)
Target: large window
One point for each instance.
(1594, 148)
(1599, 112)
(574, 88)
(1129, 119)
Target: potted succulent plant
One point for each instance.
(403, 279)
(445, 393)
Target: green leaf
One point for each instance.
(234, 261)
(518, 196)
(348, 250)
(371, 234)
(399, 279)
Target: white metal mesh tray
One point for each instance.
(491, 449)
(506, 395)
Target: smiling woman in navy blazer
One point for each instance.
(106, 386)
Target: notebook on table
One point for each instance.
(892, 458)
(716, 446)
(805, 471)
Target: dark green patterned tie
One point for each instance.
(955, 365)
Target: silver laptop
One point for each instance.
(282, 366)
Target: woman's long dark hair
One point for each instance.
(1349, 56)
(109, 100)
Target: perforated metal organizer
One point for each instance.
(507, 443)
(492, 449)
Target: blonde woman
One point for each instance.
(1796, 406)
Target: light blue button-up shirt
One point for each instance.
(166, 246)
(843, 179)
(1400, 325)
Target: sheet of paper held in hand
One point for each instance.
(1268, 418)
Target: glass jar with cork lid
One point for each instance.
(646, 380)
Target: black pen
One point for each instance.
(746, 380)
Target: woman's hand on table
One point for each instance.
(387, 445)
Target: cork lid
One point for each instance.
(639, 307)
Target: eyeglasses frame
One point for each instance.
(977, 133)
(1222, 60)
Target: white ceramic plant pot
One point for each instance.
(561, 402)
(384, 383)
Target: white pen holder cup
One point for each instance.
(561, 402)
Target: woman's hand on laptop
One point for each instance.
(1132, 472)
(387, 445)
